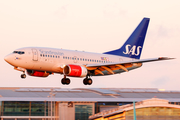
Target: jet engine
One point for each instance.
(75, 71)
(38, 73)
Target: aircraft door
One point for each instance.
(75, 59)
(35, 55)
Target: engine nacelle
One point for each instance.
(37, 73)
(75, 71)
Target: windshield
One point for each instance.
(19, 52)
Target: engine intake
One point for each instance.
(38, 73)
(75, 71)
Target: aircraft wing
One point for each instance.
(124, 65)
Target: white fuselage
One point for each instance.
(50, 59)
(41, 62)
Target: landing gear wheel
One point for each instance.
(23, 76)
(65, 81)
(87, 81)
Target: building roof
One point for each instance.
(154, 102)
(86, 94)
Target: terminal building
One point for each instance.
(75, 104)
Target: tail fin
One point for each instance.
(132, 48)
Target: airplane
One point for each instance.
(42, 61)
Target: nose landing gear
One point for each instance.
(23, 76)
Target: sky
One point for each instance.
(93, 26)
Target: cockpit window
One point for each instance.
(19, 52)
(15, 52)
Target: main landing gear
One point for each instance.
(87, 81)
(67, 81)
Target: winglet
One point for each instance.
(165, 58)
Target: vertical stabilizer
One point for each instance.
(132, 48)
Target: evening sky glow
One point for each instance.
(93, 26)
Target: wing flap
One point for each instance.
(108, 69)
(122, 67)
(111, 67)
(98, 72)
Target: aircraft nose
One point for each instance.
(7, 58)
